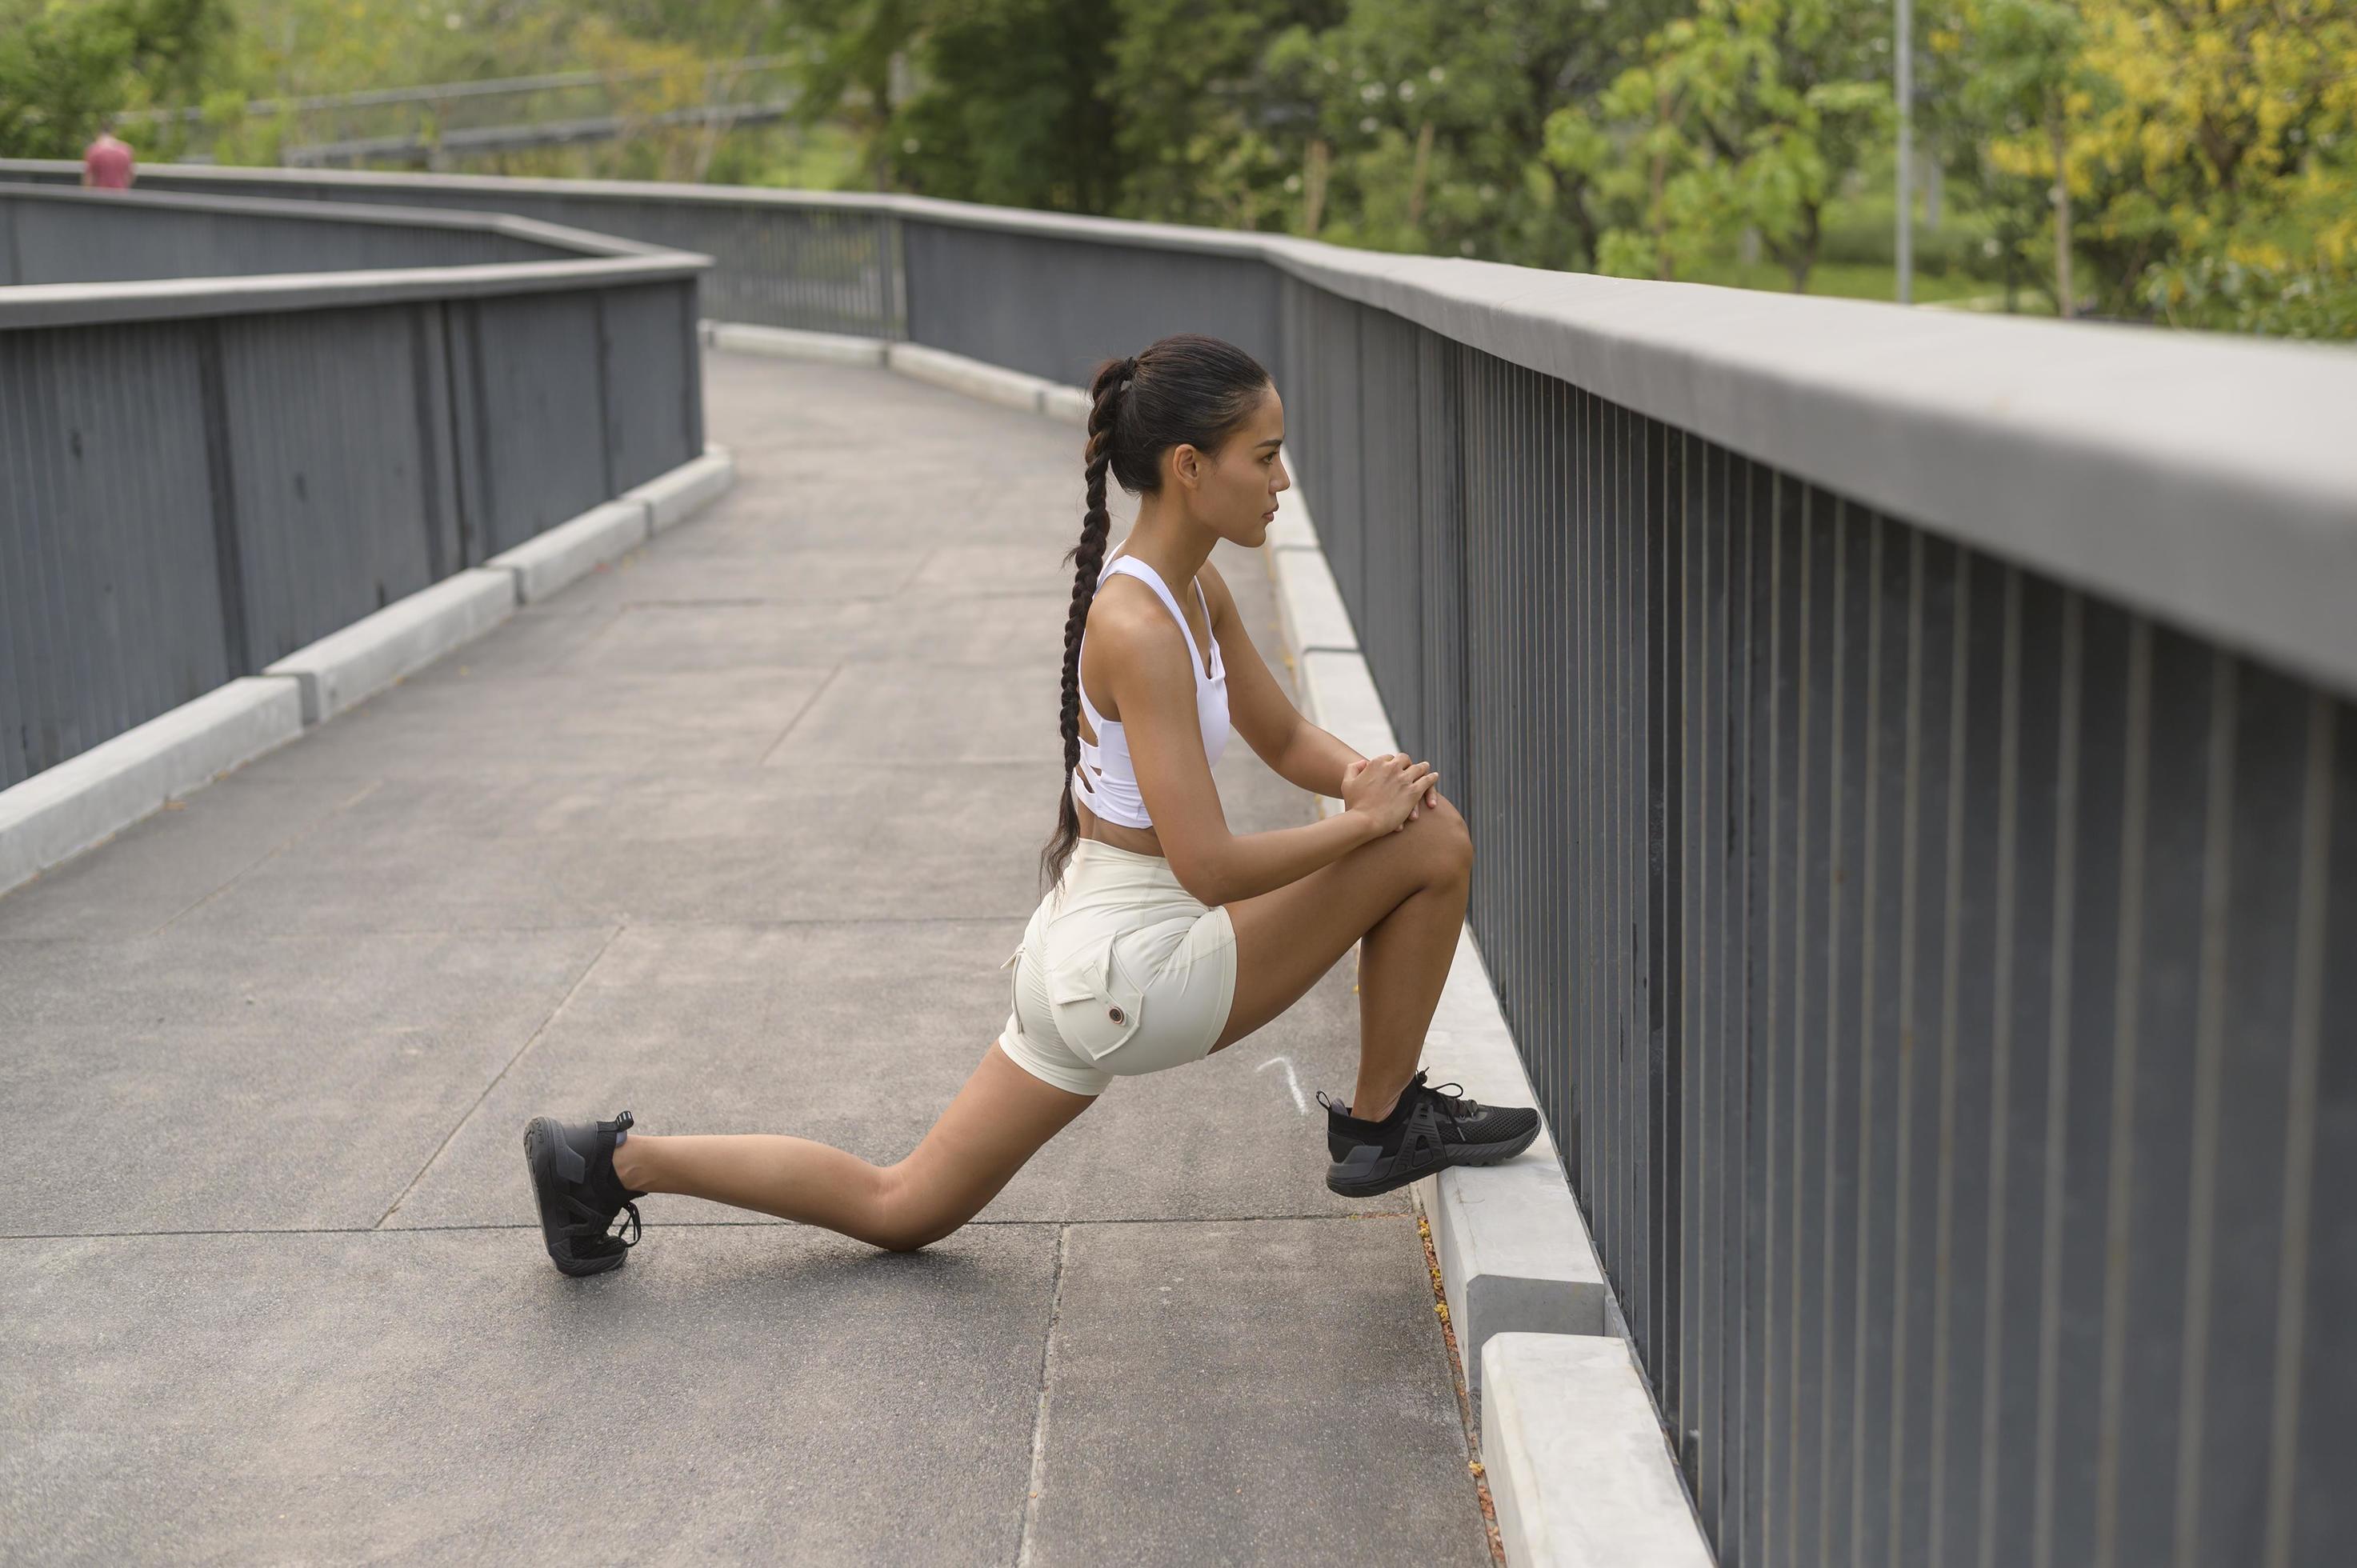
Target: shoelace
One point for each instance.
(1456, 1106)
(602, 1226)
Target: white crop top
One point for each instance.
(1106, 778)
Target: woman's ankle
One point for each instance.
(632, 1160)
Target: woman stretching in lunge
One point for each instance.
(1164, 937)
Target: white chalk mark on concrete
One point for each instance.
(1291, 1081)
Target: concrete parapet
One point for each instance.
(1340, 693)
(672, 498)
(1068, 404)
(62, 811)
(1309, 603)
(1515, 1253)
(344, 666)
(547, 562)
(1578, 1468)
(793, 343)
(1015, 388)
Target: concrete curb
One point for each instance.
(1579, 1470)
(1308, 601)
(347, 666)
(62, 811)
(790, 343)
(548, 562)
(1515, 1255)
(956, 372)
(672, 497)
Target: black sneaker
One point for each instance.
(572, 1175)
(1427, 1130)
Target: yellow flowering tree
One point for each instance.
(2207, 155)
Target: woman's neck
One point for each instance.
(1174, 548)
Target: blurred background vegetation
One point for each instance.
(2185, 162)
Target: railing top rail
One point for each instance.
(579, 260)
(2206, 479)
(75, 304)
(557, 237)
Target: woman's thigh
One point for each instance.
(1289, 936)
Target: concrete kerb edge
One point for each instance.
(1515, 1255)
(790, 343)
(83, 801)
(350, 665)
(670, 499)
(1580, 1470)
(938, 367)
(547, 562)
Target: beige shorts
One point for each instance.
(1121, 972)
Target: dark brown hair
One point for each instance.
(1186, 388)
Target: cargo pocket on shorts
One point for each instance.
(1097, 1009)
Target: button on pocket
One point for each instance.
(1097, 1009)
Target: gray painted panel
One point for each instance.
(543, 413)
(1056, 307)
(107, 608)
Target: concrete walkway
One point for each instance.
(735, 835)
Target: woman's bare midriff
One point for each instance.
(1141, 841)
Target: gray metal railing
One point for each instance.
(200, 475)
(1915, 780)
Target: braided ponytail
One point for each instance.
(1184, 388)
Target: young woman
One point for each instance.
(1163, 936)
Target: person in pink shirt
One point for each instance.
(107, 162)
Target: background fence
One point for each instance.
(197, 479)
(1918, 836)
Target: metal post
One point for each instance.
(1905, 65)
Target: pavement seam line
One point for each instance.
(812, 701)
(273, 853)
(530, 1040)
(1040, 1421)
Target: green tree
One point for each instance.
(1427, 123)
(2007, 76)
(1206, 131)
(64, 67)
(1747, 115)
(1011, 109)
(2218, 169)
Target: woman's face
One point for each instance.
(1234, 490)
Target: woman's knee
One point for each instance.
(908, 1218)
(1445, 839)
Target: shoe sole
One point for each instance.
(1386, 1174)
(540, 1143)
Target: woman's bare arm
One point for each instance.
(1295, 749)
(1154, 690)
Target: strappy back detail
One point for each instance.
(1106, 778)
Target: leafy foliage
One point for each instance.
(65, 66)
(2184, 161)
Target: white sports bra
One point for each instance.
(1106, 778)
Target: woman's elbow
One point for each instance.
(1198, 874)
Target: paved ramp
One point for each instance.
(735, 835)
